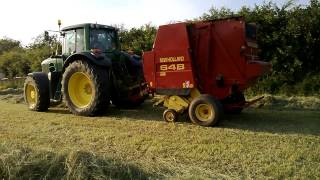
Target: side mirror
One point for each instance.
(62, 34)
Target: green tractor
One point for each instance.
(90, 73)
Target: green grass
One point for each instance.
(288, 102)
(13, 83)
(137, 144)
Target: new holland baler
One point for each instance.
(204, 68)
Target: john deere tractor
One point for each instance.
(90, 73)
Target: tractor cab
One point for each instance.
(87, 40)
(89, 37)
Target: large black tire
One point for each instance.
(205, 111)
(122, 99)
(85, 88)
(36, 92)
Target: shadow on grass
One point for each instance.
(146, 111)
(258, 120)
(27, 164)
(275, 121)
(59, 110)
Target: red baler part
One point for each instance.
(212, 56)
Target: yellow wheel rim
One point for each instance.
(80, 89)
(204, 112)
(31, 95)
(170, 117)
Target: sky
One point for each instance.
(23, 20)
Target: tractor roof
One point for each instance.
(87, 25)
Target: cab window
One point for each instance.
(103, 39)
(69, 42)
(80, 40)
(73, 41)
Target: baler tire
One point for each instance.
(205, 111)
(94, 97)
(170, 115)
(36, 92)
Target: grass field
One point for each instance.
(137, 144)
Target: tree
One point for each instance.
(215, 13)
(18, 61)
(8, 44)
(138, 39)
(14, 63)
(42, 48)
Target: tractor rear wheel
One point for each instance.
(124, 98)
(36, 92)
(85, 88)
(205, 110)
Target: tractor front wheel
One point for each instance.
(205, 110)
(36, 92)
(85, 88)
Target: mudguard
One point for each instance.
(134, 59)
(38, 74)
(100, 60)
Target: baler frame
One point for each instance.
(204, 66)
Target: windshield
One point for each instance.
(103, 39)
(251, 31)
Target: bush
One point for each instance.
(14, 84)
(289, 38)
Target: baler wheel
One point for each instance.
(85, 88)
(205, 110)
(170, 115)
(36, 92)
